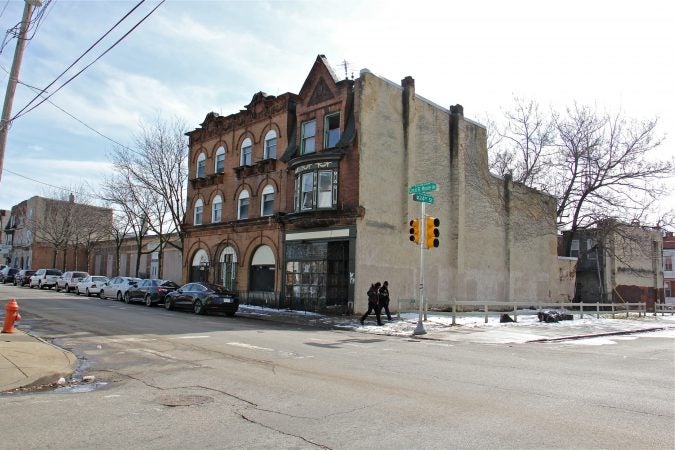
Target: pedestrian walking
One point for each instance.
(384, 299)
(373, 303)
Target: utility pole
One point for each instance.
(14, 76)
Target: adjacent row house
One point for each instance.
(51, 233)
(619, 263)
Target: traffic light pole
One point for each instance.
(420, 326)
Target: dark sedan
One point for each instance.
(7, 274)
(150, 291)
(23, 277)
(203, 298)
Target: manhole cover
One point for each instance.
(183, 400)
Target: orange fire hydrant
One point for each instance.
(11, 315)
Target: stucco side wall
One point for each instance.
(497, 240)
(383, 251)
(508, 238)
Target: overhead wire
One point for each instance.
(21, 112)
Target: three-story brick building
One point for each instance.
(302, 200)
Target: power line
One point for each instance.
(49, 185)
(19, 114)
(36, 89)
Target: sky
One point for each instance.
(192, 57)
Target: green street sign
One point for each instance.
(422, 188)
(423, 198)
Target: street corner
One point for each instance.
(27, 361)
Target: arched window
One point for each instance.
(199, 212)
(199, 270)
(270, 145)
(267, 203)
(217, 209)
(228, 268)
(246, 153)
(201, 165)
(220, 160)
(242, 205)
(262, 270)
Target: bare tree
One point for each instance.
(157, 168)
(127, 197)
(525, 145)
(51, 224)
(598, 166)
(119, 229)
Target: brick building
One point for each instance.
(53, 233)
(302, 199)
(668, 271)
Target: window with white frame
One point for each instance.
(316, 186)
(270, 145)
(267, 204)
(201, 165)
(331, 130)
(220, 160)
(242, 205)
(308, 132)
(246, 153)
(217, 209)
(667, 289)
(228, 268)
(574, 249)
(199, 212)
(667, 263)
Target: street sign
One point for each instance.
(422, 188)
(423, 198)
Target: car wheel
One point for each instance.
(198, 307)
(148, 300)
(40, 286)
(119, 296)
(67, 289)
(168, 304)
(86, 290)
(127, 299)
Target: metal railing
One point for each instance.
(484, 308)
(664, 308)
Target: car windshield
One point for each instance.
(169, 284)
(98, 278)
(53, 272)
(218, 289)
(80, 274)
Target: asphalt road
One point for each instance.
(176, 380)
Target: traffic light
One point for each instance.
(415, 231)
(431, 232)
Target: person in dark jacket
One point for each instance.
(373, 303)
(384, 299)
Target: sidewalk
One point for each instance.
(27, 361)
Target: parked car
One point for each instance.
(90, 285)
(7, 274)
(202, 298)
(69, 280)
(44, 278)
(117, 287)
(23, 277)
(150, 291)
